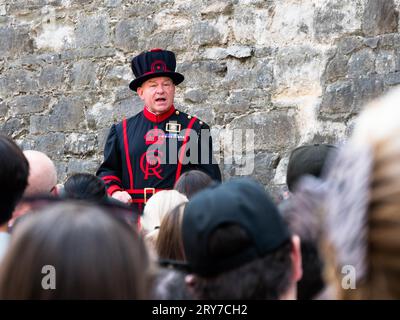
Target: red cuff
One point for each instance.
(112, 189)
(110, 178)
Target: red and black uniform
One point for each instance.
(131, 164)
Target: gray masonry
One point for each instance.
(294, 71)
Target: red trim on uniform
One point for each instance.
(158, 118)
(113, 189)
(183, 149)
(155, 49)
(128, 159)
(108, 178)
(137, 201)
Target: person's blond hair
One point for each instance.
(378, 128)
(156, 208)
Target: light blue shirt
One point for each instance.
(4, 242)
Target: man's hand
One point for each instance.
(122, 196)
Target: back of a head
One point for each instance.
(307, 224)
(14, 171)
(192, 182)
(42, 173)
(169, 244)
(158, 206)
(307, 160)
(94, 255)
(84, 186)
(238, 247)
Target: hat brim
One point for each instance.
(176, 77)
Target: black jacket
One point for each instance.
(143, 152)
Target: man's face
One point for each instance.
(157, 94)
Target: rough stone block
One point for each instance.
(51, 144)
(113, 3)
(104, 115)
(333, 18)
(83, 75)
(239, 51)
(51, 77)
(253, 73)
(39, 124)
(13, 127)
(350, 44)
(195, 96)
(389, 41)
(82, 166)
(379, 17)
(61, 168)
(385, 62)
(80, 144)
(218, 7)
(130, 35)
(336, 68)
(392, 79)
(3, 109)
(367, 89)
(28, 104)
(272, 130)
(17, 81)
(117, 76)
(372, 42)
(244, 25)
(362, 63)
(15, 41)
(204, 33)
(67, 114)
(93, 31)
(215, 53)
(297, 70)
(203, 73)
(102, 135)
(338, 98)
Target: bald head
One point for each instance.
(42, 173)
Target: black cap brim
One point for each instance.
(178, 265)
(176, 77)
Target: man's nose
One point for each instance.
(160, 89)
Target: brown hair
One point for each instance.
(169, 244)
(14, 172)
(95, 256)
(192, 182)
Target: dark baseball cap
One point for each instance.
(241, 202)
(307, 159)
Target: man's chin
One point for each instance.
(161, 108)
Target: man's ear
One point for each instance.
(190, 281)
(140, 92)
(296, 258)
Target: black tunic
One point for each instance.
(148, 151)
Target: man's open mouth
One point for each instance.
(161, 100)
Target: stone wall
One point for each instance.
(295, 71)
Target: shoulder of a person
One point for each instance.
(186, 118)
(119, 126)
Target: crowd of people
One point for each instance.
(210, 240)
(157, 222)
